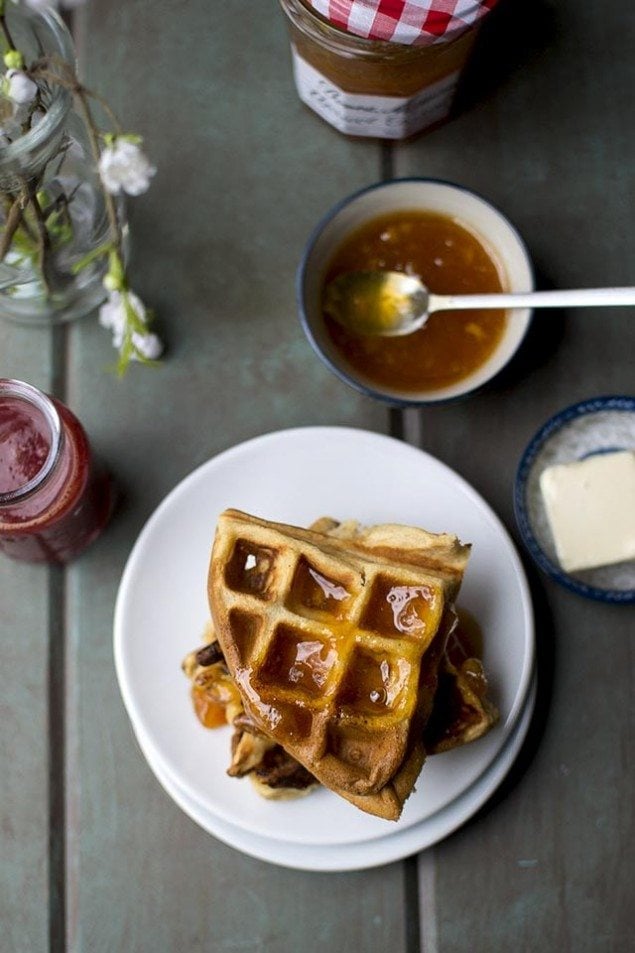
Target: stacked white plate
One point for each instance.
(296, 476)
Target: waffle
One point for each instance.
(335, 644)
(462, 711)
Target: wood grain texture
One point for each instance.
(24, 750)
(546, 134)
(241, 183)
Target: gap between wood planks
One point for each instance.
(57, 683)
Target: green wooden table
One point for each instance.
(94, 856)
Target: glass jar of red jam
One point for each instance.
(390, 72)
(55, 495)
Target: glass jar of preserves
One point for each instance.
(55, 496)
(398, 77)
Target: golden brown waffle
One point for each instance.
(462, 711)
(335, 644)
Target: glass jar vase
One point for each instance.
(52, 212)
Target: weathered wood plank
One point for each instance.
(244, 174)
(24, 752)
(551, 143)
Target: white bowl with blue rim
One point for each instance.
(596, 425)
(496, 233)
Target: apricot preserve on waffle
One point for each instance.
(335, 646)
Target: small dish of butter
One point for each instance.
(575, 498)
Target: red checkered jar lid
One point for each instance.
(412, 22)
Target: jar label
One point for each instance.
(385, 117)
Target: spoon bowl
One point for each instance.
(389, 303)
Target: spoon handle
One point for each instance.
(584, 297)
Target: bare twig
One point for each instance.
(93, 135)
(13, 221)
(43, 237)
(65, 75)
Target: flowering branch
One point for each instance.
(122, 168)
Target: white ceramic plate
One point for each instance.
(401, 843)
(296, 476)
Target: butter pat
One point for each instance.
(590, 506)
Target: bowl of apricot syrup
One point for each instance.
(457, 243)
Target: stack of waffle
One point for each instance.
(332, 654)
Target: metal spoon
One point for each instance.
(391, 303)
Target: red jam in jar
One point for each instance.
(55, 496)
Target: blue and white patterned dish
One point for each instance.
(598, 425)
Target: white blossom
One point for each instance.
(149, 345)
(112, 316)
(19, 87)
(124, 167)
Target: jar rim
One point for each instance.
(31, 395)
(296, 9)
(61, 98)
(311, 21)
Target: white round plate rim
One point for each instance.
(331, 858)
(257, 817)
